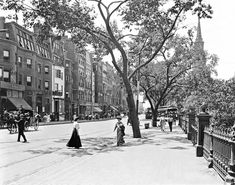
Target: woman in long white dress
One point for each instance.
(120, 131)
(75, 140)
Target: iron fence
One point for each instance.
(218, 145)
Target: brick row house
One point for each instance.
(53, 76)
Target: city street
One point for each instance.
(157, 158)
(46, 148)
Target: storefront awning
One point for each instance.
(114, 108)
(18, 102)
(96, 109)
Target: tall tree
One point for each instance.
(159, 79)
(154, 21)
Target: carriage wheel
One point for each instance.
(26, 125)
(1, 124)
(9, 127)
(36, 125)
(13, 128)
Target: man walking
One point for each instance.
(20, 123)
(170, 122)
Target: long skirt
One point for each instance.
(120, 139)
(74, 140)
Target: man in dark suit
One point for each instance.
(20, 123)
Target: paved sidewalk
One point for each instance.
(155, 159)
(68, 121)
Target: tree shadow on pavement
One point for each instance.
(178, 139)
(94, 145)
(48, 150)
(177, 148)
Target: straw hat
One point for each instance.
(119, 117)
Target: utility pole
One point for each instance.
(92, 105)
(138, 88)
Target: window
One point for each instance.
(66, 94)
(6, 54)
(1, 72)
(58, 73)
(67, 78)
(20, 78)
(20, 41)
(29, 63)
(46, 69)
(6, 76)
(46, 85)
(25, 40)
(39, 68)
(7, 35)
(39, 84)
(20, 61)
(29, 80)
(56, 87)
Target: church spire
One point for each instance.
(199, 44)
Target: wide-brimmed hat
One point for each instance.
(119, 117)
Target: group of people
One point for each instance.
(163, 121)
(75, 140)
(18, 118)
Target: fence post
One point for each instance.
(203, 120)
(191, 121)
(180, 119)
(210, 159)
(230, 178)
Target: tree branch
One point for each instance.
(168, 35)
(121, 3)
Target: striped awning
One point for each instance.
(114, 108)
(20, 102)
(96, 109)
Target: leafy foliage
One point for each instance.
(154, 21)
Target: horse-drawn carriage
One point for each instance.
(8, 120)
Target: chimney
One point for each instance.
(36, 28)
(2, 23)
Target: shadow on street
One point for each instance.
(94, 145)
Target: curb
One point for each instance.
(69, 122)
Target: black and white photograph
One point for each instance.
(117, 92)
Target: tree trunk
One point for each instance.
(154, 118)
(132, 113)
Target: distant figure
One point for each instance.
(162, 123)
(128, 119)
(170, 122)
(120, 131)
(20, 123)
(75, 138)
(37, 117)
(21, 110)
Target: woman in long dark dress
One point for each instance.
(75, 140)
(120, 131)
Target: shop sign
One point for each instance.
(13, 86)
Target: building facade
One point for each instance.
(53, 76)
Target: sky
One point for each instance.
(218, 35)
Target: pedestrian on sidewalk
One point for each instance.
(162, 123)
(120, 131)
(128, 119)
(20, 124)
(75, 140)
(170, 122)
